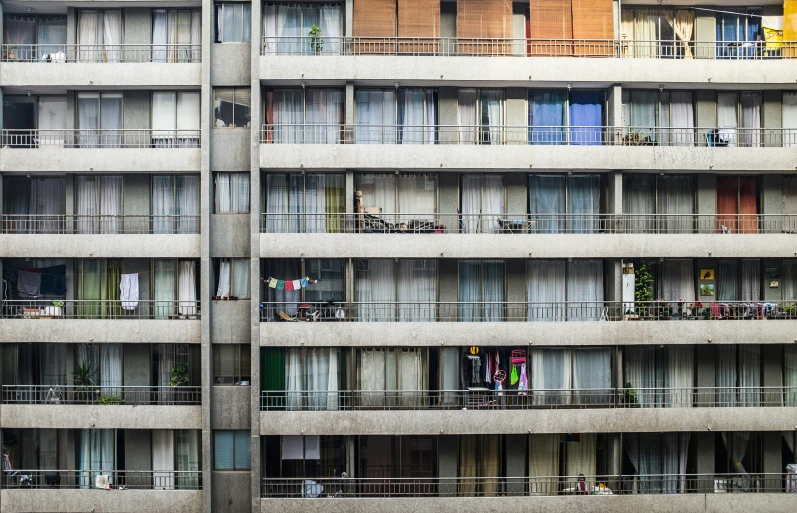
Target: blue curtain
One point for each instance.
(546, 113)
(586, 117)
(731, 28)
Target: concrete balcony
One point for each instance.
(64, 500)
(86, 151)
(521, 148)
(515, 62)
(103, 66)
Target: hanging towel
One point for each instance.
(128, 289)
(272, 283)
(524, 379)
(280, 285)
(29, 284)
(303, 282)
(297, 284)
(102, 482)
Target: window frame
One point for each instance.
(234, 90)
(238, 358)
(220, 7)
(234, 433)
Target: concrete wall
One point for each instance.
(231, 492)
(137, 194)
(102, 416)
(137, 365)
(138, 449)
(229, 149)
(230, 407)
(230, 321)
(231, 64)
(229, 240)
(100, 501)
(97, 246)
(110, 75)
(136, 107)
(118, 160)
(116, 330)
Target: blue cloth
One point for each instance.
(546, 112)
(586, 118)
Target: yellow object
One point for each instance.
(773, 37)
(789, 26)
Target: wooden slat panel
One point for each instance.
(485, 19)
(550, 20)
(419, 19)
(374, 18)
(593, 19)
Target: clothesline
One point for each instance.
(274, 283)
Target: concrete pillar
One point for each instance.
(71, 26)
(348, 22)
(772, 360)
(517, 198)
(705, 357)
(773, 459)
(447, 457)
(517, 119)
(613, 286)
(706, 193)
(772, 117)
(447, 114)
(137, 365)
(614, 200)
(348, 112)
(448, 200)
(516, 290)
(71, 109)
(519, 29)
(704, 443)
(448, 275)
(350, 188)
(706, 109)
(772, 202)
(448, 27)
(614, 459)
(516, 455)
(614, 111)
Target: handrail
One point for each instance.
(105, 53)
(528, 311)
(101, 394)
(106, 309)
(81, 224)
(534, 135)
(525, 47)
(532, 399)
(428, 486)
(93, 138)
(117, 479)
(525, 223)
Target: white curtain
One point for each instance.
(466, 116)
(492, 116)
(728, 114)
(232, 193)
(88, 119)
(322, 378)
(725, 375)
(288, 116)
(412, 376)
(187, 121)
(163, 459)
(544, 464)
(165, 281)
(411, 116)
(680, 377)
(87, 203)
(376, 291)
(186, 283)
(417, 287)
(379, 191)
(482, 202)
(111, 120)
(331, 24)
(678, 281)
(643, 374)
(751, 119)
(52, 121)
(546, 290)
(164, 112)
(163, 204)
(378, 373)
(111, 370)
(160, 38)
(417, 197)
(111, 204)
(682, 119)
(583, 203)
(677, 203)
(88, 22)
(187, 188)
(581, 455)
(112, 35)
(639, 202)
(551, 375)
(223, 290)
(547, 202)
(324, 114)
(585, 290)
(592, 372)
(276, 203)
(375, 114)
(293, 378)
(644, 107)
(96, 455)
(790, 119)
(240, 278)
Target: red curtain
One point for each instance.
(727, 203)
(748, 204)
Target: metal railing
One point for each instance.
(513, 399)
(650, 484)
(500, 135)
(110, 53)
(98, 224)
(105, 395)
(503, 223)
(526, 47)
(87, 479)
(98, 309)
(507, 311)
(100, 138)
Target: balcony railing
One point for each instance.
(98, 309)
(100, 138)
(527, 47)
(71, 394)
(126, 53)
(535, 399)
(540, 224)
(87, 479)
(98, 224)
(505, 311)
(407, 487)
(500, 135)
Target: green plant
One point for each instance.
(643, 287)
(111, 400)
(81, 378)
(315, 39)
(179, 375)
(630, 394)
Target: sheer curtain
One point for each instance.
(87, 203)
(546, 290)
(276, 203)
(682, 119)
(470, 290)
(379, 191)
(188, 458)
(482, 201)
(789, 119)
(52, 120)
(163, 459)
(187, 121)
(110, 204)
(679, 379)
(111, 370)
(547, 117)
(751, 283)
(324, 114)
(165, 286)
(728, 280)
(725, 376)
(88, 119)
(583, 205)
(164, 109)
(644, 110)
(543, 464)
(331, 24)
(644, 374)
(466, 116)
(288, 116)
(677, 203)
(163, 204)
(321, 374)
(160, 38)
(678, 281)
(551, 375)
(581, 455)
(492, 116)
(187, 190)
(547, 202)
(376, 290)
(470, 202)
(417, 286)
(749, 375)
(112, 35)
(728, 116)
(223, 289)
(411, 116)
(751, 119)
(240, 277)
(494, 272)
(592, 371)
(87, 24)
(375, 114)
(186, 283)
(639, 202)
(417, 197)
(111, 120)
(586, 117)
(232, 193)
(585, 290)
(377, 373)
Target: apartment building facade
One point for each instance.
(398, 254)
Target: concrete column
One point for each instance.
(772, 359)
(704, 443)
(71, 26)
(772, 201)
(447, 457)
(348, 111)
(516, 455)
(773, 458)
(705, 356)
(516, 289)
(517, 116)
(614, 193)
(71, 109)
(614, 111)
(448, 200)
(706, 192)
(519, 29)
(254, 252)
(448, 276)
(706, 109)
(613, 286)
(614, 459)
(772, 117)
(348, 23)
(447, 113)
(517, 198)
(137, 365)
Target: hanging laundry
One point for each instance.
(280, 285)
(303, 282)
(524, 379)
(297, 284)
(128, 291)
(29, 284)
(272, 283)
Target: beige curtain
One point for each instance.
(544, 464)
(479, 457)
(580, 456)
(683, 25)
(467, 465)
(491, 466)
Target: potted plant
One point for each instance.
(316, 44)
(81, 378)
(179, 378)
(111, 400)
(11, 51)
(630, 396)
(643, 289)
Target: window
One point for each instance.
(286, 28)
(176, 285)
(232, 107)
(49, 32)
(170, 26)
(175, 119)
(382, 283)
(175, 204)
(480, 115)
(330, 286)
(231, 364)
(98, 203)
(100, 34)
(99, 119)
(232, 193)
(321, 197)
(232, 450)
(402, 116)
(233, 23)
(232, 278)
(26, 197)
(287, 111)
